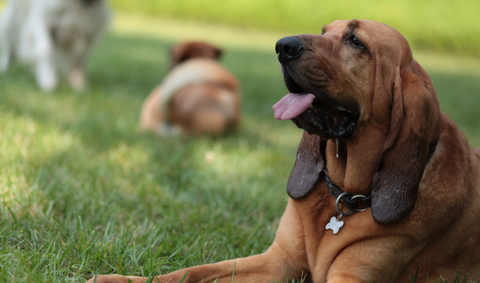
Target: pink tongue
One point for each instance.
(292, 105)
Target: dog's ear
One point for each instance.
(308, 166)
(217, 52)
(178, 54)
(413, 125)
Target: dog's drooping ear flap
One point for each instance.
(178, 55)
(308, 166)
(395, 184)
(217, 52)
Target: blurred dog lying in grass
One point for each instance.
(52, 36)
(197, 97)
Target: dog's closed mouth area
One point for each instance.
(316, 113)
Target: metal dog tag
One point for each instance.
(334, 224)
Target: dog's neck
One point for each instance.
(348, 168)
(336, 154)
(340, 161)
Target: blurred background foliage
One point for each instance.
(439, 25)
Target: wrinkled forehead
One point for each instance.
(378, 37)
(365, 27)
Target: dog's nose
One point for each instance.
(288, 49)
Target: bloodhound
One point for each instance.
(383, 184)
(197, 97)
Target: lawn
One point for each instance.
(83, 191)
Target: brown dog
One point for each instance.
(372, 118)
(197, 97)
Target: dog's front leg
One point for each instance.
(75, 62)
(7, 36)
(374, 259)
(6, 55)
(264, 268)
(6, 47)
(39, 48)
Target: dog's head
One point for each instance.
(194, 49)
(357, 82)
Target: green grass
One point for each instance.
(83, 191)
(440, 25)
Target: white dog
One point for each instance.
(53, 36)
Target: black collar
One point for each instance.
(366, 200)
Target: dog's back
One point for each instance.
(198, 96)
(205, 108)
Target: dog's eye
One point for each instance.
(356, 42)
